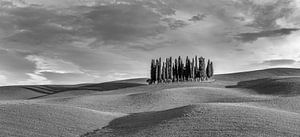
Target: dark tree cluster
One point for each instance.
(194, 69)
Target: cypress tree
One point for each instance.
(173, 72)
(202, 68)
(171, 69)
(196, 69)
(159, 70)
(182, 69)
(167, 69)
(211, 69)
(193, 69)
(208, 69)
(176, 70)
(187, 68)
(153, 71)
(163, 72)
(179, 68)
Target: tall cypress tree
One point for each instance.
(179, 68)
(173, 72)
(163, 72)
(171, 69)
(208, 69)
(182, 70)
(202, 68)
(211, 69)
(156, 71)
(193, 69)
(153, 72)
(187, 68)
(176, 70)
(159, 70)
(197, 74)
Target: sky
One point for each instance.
(84, 41)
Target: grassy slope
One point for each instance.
(259, 74)
(208, 109)
(214, 119)
(285, 86)
(216, 111)
(17, 93)
(46, 120)
(38, 91)
(155, 100)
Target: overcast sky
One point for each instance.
(80, 41)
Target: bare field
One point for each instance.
(257, 103)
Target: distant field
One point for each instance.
(257, 103)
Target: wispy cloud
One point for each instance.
(279, 62)
(44, 64)
(197, 17)
(248, 37)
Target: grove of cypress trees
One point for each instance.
(193, 69)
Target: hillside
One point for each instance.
(286, 86)
(36, 91)
(259, 74)
(205, 120)
(256, 103)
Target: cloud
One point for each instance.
(34, 79)
(3, 80)
(44, 64)
(264, 14)
(67, 41)
(123, 22)
(33, 25)
(174, 23)
(279, 62)
(197, 17)
(36, 25)
(14, 66)
(249, 37)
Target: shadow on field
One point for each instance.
(286, 86)
(50, 90)
(136, 122)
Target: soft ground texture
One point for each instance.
(258, 103)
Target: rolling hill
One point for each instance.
(256, 103)
(259, 74)
(36, 91)
(205, 120)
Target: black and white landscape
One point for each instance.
(149, 68)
